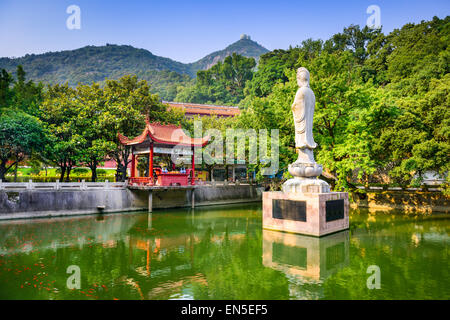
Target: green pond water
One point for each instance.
(222, 253)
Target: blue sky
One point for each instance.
(188, 30)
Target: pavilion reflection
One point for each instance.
(305, 258)
(167, 261)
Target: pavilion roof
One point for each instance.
(164, 134)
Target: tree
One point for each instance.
(219, 125)
(93, 134)
(6, 93)
(21, 135)
(419, 139)
(58, 112)
(353, 39)
(27, 95)
(273, 66)
(127, 102)
(348, 118)
(223, 83)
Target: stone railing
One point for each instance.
(374, 188)
(83, 185)
(222, 183)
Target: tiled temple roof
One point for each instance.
(205, 109)
(164, 134)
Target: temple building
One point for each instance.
(164, 140)
(237, 171)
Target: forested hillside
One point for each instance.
(96, 63)
(244, 47)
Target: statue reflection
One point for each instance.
(305, 258)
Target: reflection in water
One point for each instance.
(221, 253)
(305, 259)
(305, 256)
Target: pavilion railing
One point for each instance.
(146, 181)
(140, 181)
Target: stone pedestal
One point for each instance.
(314, 214)
(306, 185)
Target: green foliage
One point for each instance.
(83, 122)
(58, 112)
(21, 135)
(79, 171)
(419, 138)
(6, 93)
(127, 102)
(223, 83)
(165, 83)
(409, 57)
(352, 39)
(19, 94)
(381, 106)
(244, 47)
(101, 172)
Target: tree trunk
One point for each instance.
(63, 171)
(121, 158)
(69, 168)
(93, 167)
(2, 170)
(15, 171)
(118, 172)
(123, 173)
(209, 168)
(116, 157)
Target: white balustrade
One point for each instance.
(83, 185)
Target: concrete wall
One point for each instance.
(410, 201)
(44, 203)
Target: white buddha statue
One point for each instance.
(305, 169)
(303, 110)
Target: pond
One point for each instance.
(222, 253)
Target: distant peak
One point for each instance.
(245, 37)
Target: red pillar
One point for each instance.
(150, 163)
(133, 166)
(193, 166)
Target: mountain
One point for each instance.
(91, 63)
(95, 63)
(245, 46)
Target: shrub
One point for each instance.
(101, 172)
(80, 171)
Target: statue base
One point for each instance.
(306, 185)
(305, 169)
(315, 214)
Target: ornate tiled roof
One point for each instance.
(204, 109)
(164, 134)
